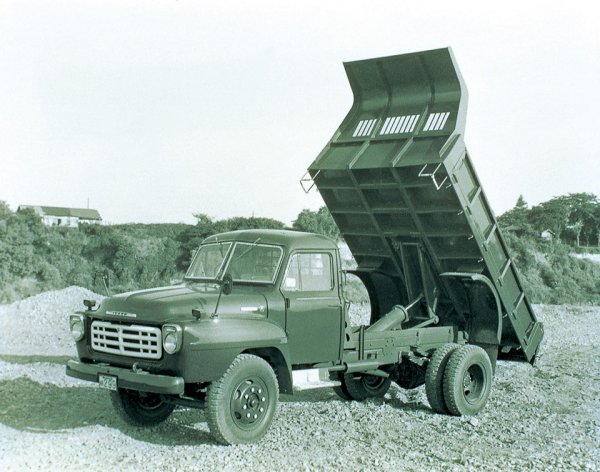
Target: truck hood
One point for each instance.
(175, 303)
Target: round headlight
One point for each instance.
(171, 338)
(170, 342)
(77, 327)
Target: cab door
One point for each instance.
(314, 316)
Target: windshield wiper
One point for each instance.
(252, 246)
(220, 243)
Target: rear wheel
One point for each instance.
(342, 393)
(467, 380)
(140, 408)
(365, 386)
(434, 377)
(340, 390)
(242, 403)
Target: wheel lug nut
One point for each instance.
(252, 389)
(244, 407)
(262, 410)
(246, 397)
(255, 416)
(248, 415)
(260, 390)
(263, 399)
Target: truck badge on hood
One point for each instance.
(121, 313)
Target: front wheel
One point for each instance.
(242, 403)
(140, 408)
(467, 380)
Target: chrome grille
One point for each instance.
(127, 340)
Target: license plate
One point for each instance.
(108, 382)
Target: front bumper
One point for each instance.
(142, 381)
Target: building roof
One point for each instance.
(81, 213)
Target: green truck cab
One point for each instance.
(255, 305)
(270, 298)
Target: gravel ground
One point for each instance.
(542, 418)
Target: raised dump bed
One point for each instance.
(400, 185)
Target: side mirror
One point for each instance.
(227, 284)
(89, 304)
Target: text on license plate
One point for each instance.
(108, 382)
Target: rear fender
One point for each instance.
(484, 322)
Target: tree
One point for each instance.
(5, 212)
(516, 219)
(572, 217)
(320, 222)
(552, 215)
(583, 221)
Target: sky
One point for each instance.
(154, 111)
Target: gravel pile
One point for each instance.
(39, 325)
(542, 418)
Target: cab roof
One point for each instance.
(290, 239)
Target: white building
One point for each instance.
(548, 235)
(66, 217)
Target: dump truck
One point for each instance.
(256, 305)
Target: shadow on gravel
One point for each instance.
(34, 359)
(326, 395)
(310, 396)
(43, 408)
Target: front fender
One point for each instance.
(210, 346)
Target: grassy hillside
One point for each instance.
(552, 273)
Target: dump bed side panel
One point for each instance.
(401, 186)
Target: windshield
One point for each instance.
(251, 262)
(208, 261)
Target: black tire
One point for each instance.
(365, 386)
(467, 380)
(340, 390)
(342, 393)
(140, 408)
(409, 375)
(242, 403)
(434, 377)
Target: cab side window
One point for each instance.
(309, 272)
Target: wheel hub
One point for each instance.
(148, 401)
(473, 383)
(250, 401)
(467, 383)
